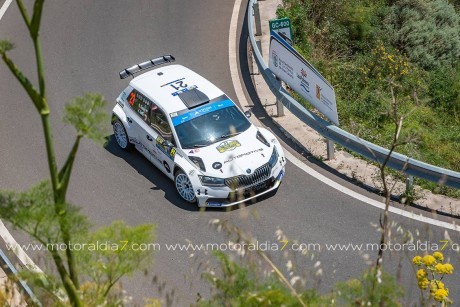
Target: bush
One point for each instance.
(336, 28)
(428, 31)
(445, 88)
(236, 284)
(361, 46)
(369, 290)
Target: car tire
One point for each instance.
(121, 137)
(184, 187)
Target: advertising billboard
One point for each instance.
(288, 65)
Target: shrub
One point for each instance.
(336, 28)
(428, 31)
(445, 88)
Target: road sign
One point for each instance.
(288, 65)
(282, 26)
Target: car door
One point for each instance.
(139, 122)
(163, 147)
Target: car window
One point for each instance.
(159, 122)
(211, 127)
(140, 105)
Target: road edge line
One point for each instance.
(236, 80)
(4, 7)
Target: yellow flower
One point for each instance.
(438, 256)
(440, 295)
(444, 268)
(417, 260)
(423, 283)
(439, 268)
(448, 268)
(441, 286)
(421, 274)
(429, 260)
(436, 285)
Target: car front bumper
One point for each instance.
(213, 197)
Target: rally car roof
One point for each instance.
(175, 88)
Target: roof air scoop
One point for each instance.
(193, 98)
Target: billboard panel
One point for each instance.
(288, 65)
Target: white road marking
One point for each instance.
(232, 54)
(366, 199)
(232, 39)
(4, 8)
(16, 248)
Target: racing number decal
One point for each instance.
(172, 152)
(178, 85)
(132, 96)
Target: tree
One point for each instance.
(43, 212)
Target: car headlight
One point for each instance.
(198, 162)
(273, 158)
(212, 181)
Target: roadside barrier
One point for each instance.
(9, 269)
(399, 162)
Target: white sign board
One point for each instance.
(288, 65)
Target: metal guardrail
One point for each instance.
(399, 162)
(9, 268)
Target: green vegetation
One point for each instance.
(250, 278)
(88, 276)
(363, 46)
(239, 285)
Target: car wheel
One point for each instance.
(184, 187)
(121, 136)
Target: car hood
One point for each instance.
(234, 156)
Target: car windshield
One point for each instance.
(212, 127)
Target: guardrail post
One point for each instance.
(330, 149)
(257, 19)
(253, 68)
(409, 184)
(279, 108)
(279, 104)
(259, 45)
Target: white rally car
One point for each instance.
(196, 135)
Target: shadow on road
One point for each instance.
(143, 166)
(160, 182)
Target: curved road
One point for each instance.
(85, 44)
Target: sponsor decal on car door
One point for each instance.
(166, 153)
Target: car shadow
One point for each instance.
(161, 182)
(144, 167)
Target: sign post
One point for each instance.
(289, 66)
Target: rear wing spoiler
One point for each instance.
(146, 65)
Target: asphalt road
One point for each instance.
(85, 45)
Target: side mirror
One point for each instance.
(248, 114)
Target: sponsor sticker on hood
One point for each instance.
(243, 154)
(228, 145)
